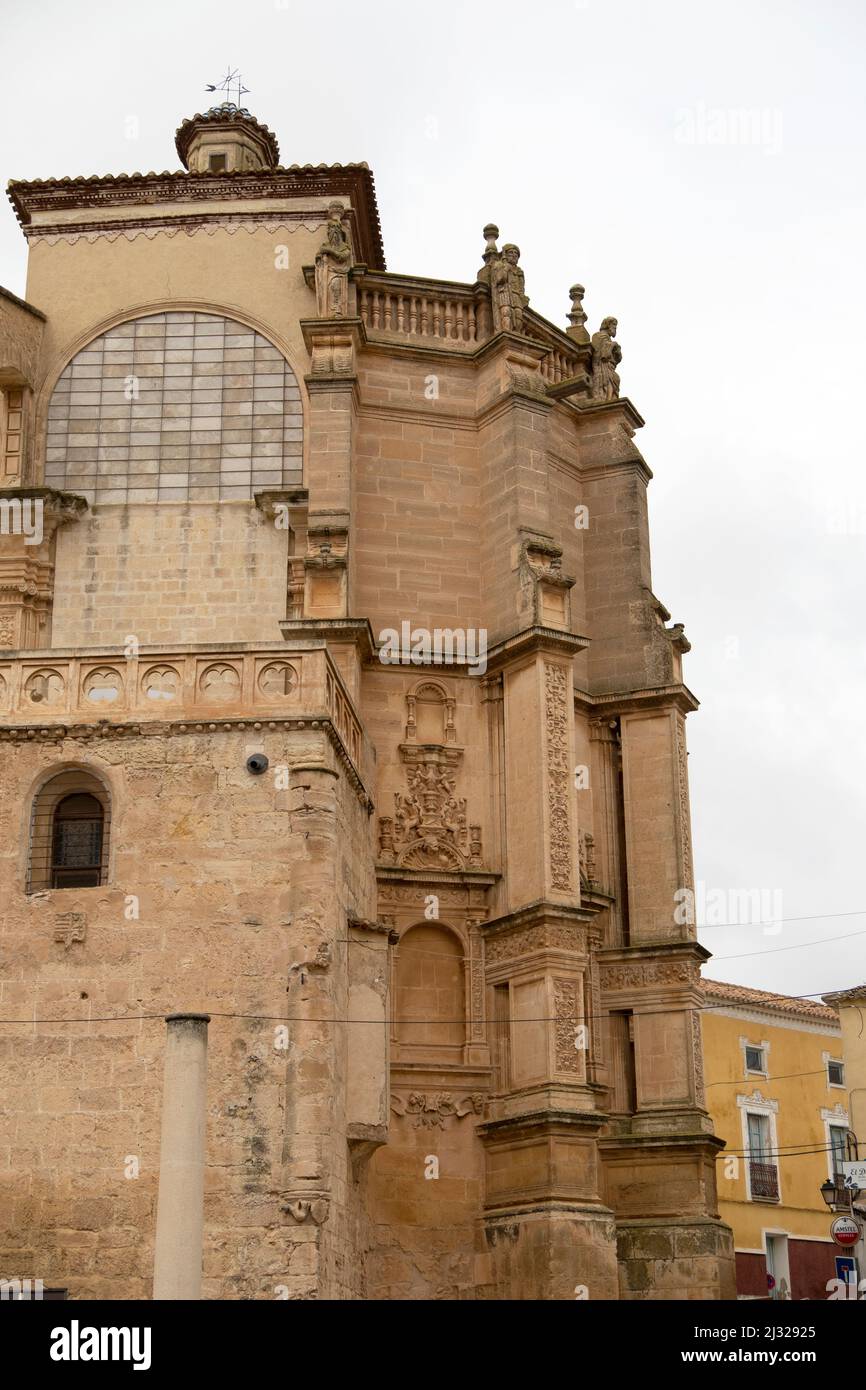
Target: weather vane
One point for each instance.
(230, 82)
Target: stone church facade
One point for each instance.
(336, 705)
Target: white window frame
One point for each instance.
(764, 1047)
(837, 1119)
(756, 1104)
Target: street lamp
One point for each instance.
(828, 1192)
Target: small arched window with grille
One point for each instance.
(69, 834)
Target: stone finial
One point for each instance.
(606, 357)
(577, 315)
(491, 251)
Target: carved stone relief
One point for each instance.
(566, 1001)
(552, 936)
(432, 1112)
(429, 828)
(558, 779)
(69, 927)
(620, 976)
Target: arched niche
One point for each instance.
(430, 994)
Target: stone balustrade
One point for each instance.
(450, 313)
(457, 316)
(205, 687)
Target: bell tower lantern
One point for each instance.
(226, 140)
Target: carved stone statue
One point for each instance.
(333, 261)
(606, 357)
(508, 292)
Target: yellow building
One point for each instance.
(776, 1089)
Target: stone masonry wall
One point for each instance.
(176, 572)
(219, 866)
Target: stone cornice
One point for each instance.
(105, 729)
(653, 971)
(538, 913)
(622, 406)
(322, 630)
(463, 878)
(590, 473)
(531, 640)
(315, 184)
(656, 950)
(798, 1023)
(59, 508)
(614, 702)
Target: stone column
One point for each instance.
(180, 1209)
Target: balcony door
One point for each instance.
(763, 1173)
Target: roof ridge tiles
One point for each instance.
(786, 1003)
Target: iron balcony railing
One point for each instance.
(764, 1181)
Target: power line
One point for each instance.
(774, 950)
(407, 1022)
(793, 1152)
(815, 917)
(789, 1076)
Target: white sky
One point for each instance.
(699, 168)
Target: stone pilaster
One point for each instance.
(514, 414)
(29, 520)
(546, 1229)
(657, 828)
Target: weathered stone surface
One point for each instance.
(450, 1056)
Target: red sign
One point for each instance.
(845, 1231)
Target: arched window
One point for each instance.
(69, 833)
(175, 407)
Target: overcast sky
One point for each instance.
(699, 168)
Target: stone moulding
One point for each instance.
(307, 185)
(48, 696)
(612, 705)
(172, 227)
(631, 970)
(82, 733)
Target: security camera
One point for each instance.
(257, 763)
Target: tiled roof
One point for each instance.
(219, 115)
(717, 992)
(82, 180)
(83, 191)
(842, 996)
